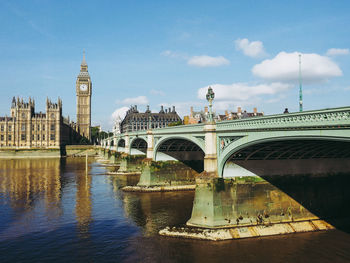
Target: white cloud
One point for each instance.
(242, 91)
(157, 92)
(231, 96)
(140, 100)
(252, 49)
(198, 61)
(337, 51)
(168, 53)
(207, 61)
(285, 68)
(118, 113)
(173, 54)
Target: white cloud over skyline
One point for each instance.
(337, 51)
(241, 94)
(284, 67)
(118, 113)
(242, 91)
(254, 49)
(207, 61)
(197, 61)
(157, 92)
(140, 100)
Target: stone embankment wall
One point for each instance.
(68, 151)
(29, 153)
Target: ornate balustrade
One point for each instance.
(309, 119)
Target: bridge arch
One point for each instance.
(292, 147)
(138, 145)
(186, 149)
(120, 145)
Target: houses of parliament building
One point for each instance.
(25, 128)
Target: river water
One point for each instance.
(55, 210)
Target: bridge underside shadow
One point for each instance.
(313, 174)
(121, 145)
(181, 150)
(138, 147)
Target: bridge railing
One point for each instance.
(334, 117)
(325, 118)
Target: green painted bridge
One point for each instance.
(303, 135)
(284, 169)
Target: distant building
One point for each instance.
(197, 116)
(27, 129)
(239, 114)
(135, 120)
(202, 116)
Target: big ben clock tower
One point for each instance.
(84, 91)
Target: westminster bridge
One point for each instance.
(258, 154)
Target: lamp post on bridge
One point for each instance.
(210, 158)
(210, 97)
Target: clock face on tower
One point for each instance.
(83, 87)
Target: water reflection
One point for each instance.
(83, 206)
(52, 210)
(24, 182)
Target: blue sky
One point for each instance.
(168, 52)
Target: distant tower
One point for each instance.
(300, 87)
(84, 91)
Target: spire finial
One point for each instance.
(84, 61)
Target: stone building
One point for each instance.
(239, 114)
(202, 116)
(135, 120)
(197, 116)
(27, 129)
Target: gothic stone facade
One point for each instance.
(135, 120)
(27, 129)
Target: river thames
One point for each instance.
(53, 210)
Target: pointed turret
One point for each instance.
(13, 105)
(83, 66)
(84, 61)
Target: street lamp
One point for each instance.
(210, 97)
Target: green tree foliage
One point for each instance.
(175, 123)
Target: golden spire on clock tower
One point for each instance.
(84, 91)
